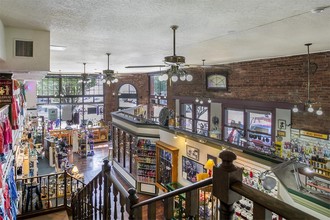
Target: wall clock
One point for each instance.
(217, 81)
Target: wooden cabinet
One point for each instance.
(166, 165)
(100, 133)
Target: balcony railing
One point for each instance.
(106, 198)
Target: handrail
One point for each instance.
(184, 189)
(118, 185)
(288, 212)
(39, 176)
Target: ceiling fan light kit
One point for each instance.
(109, 76)
(308, 104)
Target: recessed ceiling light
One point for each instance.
(57, 48)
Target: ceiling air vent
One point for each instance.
(23, 48)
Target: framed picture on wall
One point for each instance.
(214, 158)
(191, 168)
(192, 152)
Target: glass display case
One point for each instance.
(167, 165)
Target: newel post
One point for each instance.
(223, 176)
(106, 169)
(132, 200)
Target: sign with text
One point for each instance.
(314, 134)
(6, 91)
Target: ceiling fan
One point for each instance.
(175, 63)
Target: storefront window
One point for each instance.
(234, 126)
(260, 128)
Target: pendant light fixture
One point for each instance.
(109, 76)
(309, 104)
(84, 76)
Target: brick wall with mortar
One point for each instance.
(268, 80)
(139, 80)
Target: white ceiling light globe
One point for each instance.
(310, 108)
(175, 78)
(160, 78)
(115, 80)
(319, 111)
(108, 82)
(165, 77)
(189, 77)
(183, 77)
(103, 80)
(295, 109)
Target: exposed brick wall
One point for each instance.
(139, 80)
(269, 80)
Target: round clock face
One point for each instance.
(217, 81)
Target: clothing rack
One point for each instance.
(8, 165)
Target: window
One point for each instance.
(249, 128)
(187, 117)
(202, 117)
(127, 96)
(234, 126)
(195, 118)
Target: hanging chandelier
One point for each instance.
(309, 104)
(109, 76)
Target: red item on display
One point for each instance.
(14, 114)
(251, 174)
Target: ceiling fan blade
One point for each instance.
(147, 66)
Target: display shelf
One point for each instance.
(146, 152)
(100, 133)
(321, 167)
(166, 164)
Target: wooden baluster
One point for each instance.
(223, 177)
(56, 188)
(79, 209)
(152, 211)
(132, 200)
(65, 192)
(109, 200)
(95, 198)
(168, 208)
(100, 196)
(122, 205)
(192, 198)
(105, 171)
(90, 200)
(31, 206)
(115, 193)
(259, 212)
(48, 203)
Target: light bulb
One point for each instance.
(201, 102)
(319, 111)
(156, 97)
(310, 108)
(103, 80)
(160, 78)
(189, 77)
(295, 109)
(175, 78)
(165, 77)
(115, 80)
(108, 82)
(209, 100)
(197, 100)
(183, 77)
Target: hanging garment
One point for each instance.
(14, 114)
(2, 140)
(7, 133)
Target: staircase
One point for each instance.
(105, 198)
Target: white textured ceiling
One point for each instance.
(137, 32)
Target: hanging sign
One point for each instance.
(6, 91)
(314, 134)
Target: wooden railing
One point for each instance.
(105, 198)
(46, 193)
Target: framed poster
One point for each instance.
(191, 168)
(192, 152)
